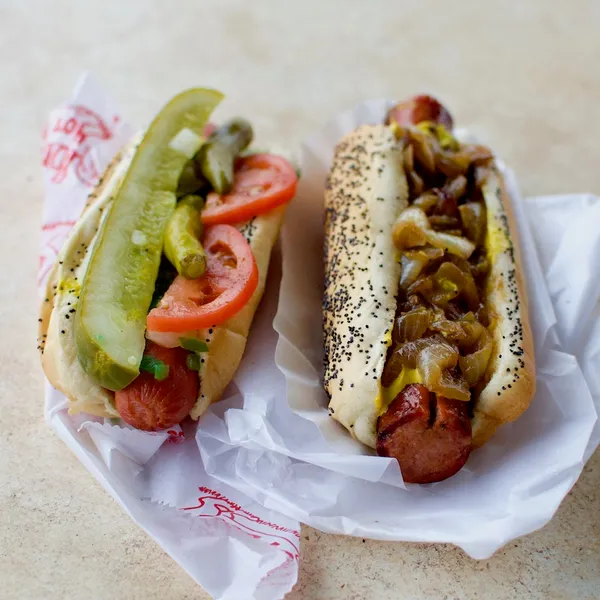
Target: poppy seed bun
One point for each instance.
(56, 339)
(511, 370)
(366, 191)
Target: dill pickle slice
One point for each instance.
(117, 289)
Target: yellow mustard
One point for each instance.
(496, 241)
(69, 284)
(387, 395)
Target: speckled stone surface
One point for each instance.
(524, 75)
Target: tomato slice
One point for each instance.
(149, 404)
(230, 280)
(261, 182)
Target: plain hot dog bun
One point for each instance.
(366, 191)
(226, 342)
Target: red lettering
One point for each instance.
(70, 125)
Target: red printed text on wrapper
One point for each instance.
(68, 140)
(214, 505)
(69, 137)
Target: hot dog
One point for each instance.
(151, 299)
(428, 348)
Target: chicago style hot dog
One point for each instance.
(428, 348)
(150, 302)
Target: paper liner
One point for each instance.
(290, 455)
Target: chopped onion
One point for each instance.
(186, 142)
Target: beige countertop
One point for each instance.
(524, 75)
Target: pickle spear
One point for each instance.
(182, 238)
(110, 319)
(217, 156)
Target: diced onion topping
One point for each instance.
(186, 142)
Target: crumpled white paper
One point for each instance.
(290, 456)
(233, 547)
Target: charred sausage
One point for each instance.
(418, 109)
(429, 436)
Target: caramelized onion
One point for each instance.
(412, 264)
(453, 164)
(435, 363)
(458, 331)
(461, 279)
(456, 188)
(445, 139)
(404, 355)
(472, 215)
(451, 330)
(443, 222)
(391, 370)
(423, 148)
(436, 360)
(410, 228)
(411, 325)
(446, 204)
(474, 365)
(458, 245)
(416, 185)
(423, 285)
(414, 261)
(479, 266)
(408, 157)
(478, 154)
(427, 201)
(442, 257)
(481, 174)
(408, 235)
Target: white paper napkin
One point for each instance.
(290, 456)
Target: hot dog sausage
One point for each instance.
(151, 404)
(429, 436)
(418, 109)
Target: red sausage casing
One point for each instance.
(430, 436)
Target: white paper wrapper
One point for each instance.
(293, 457)
(233, 547)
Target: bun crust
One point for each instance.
(511, 370)
(365, 193)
